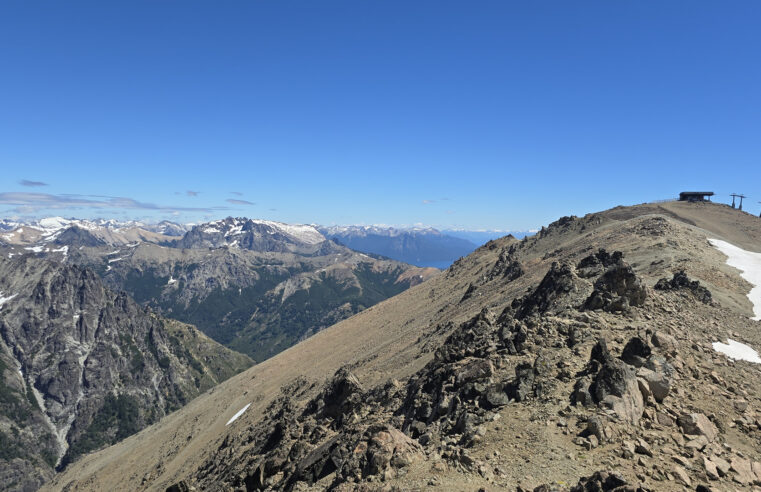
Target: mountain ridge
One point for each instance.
(410, 330)
(256, 286)
(417, 246)
(92, 366)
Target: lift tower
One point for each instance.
(735, 195)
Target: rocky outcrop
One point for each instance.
(618, 288)
(560, 289)
(681, 282)
(597, 263)
(507, 267)
(598, 482)
(617, 385)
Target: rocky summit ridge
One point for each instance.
(579, 359)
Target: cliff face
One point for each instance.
(82, 367)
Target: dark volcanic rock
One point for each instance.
(595, 264)
(617, 289)
(339, 398)
(507, 267)
(636, 352)
(680, 281)
(557, 291)
(610, 383)
(599, 482)
(605, 482)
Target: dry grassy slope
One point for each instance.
(393, 339)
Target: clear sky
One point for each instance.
(499, 115)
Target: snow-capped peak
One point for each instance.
(304, 233)
(232, 227)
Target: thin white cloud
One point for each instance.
(33, 202)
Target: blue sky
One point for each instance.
(499, 115)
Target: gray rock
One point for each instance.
(616, 387)
(697, 424)
(658, 384)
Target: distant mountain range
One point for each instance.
(483, 237)
(256, 286)
(51, 225)
(418, 246)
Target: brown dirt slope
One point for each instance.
(536, 350)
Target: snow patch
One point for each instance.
(749, 264)
(737, 350)
(36, 249)
(235, 417)
(304, 233)
(234, 231)
(171, 280)
(3, 300)
(117, 259)
(62, 249)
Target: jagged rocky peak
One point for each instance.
(75, 236)
(251, 234)
(82, 366)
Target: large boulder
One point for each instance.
(381, 451)
(611, 383)
(617, 289)
(341, 395)
(697, 424)
(658, 383)
(616, 388)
